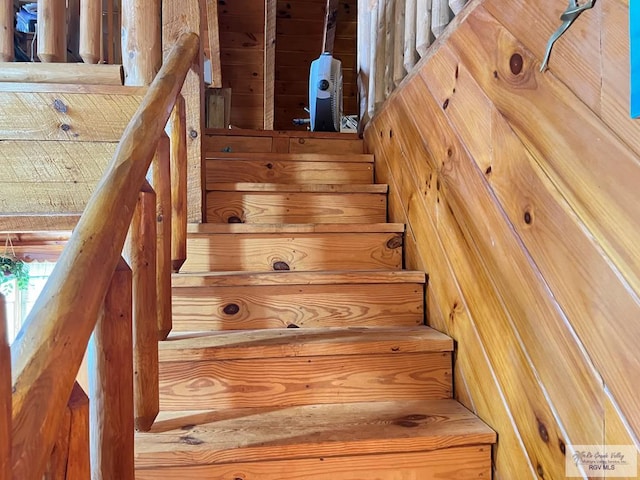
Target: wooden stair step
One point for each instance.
(301, 343)
(210, 444)
(243, 140)
(376, 188)
(284, 203)
(303, 168)
(319, 367)
(291, 157)
(242, 301)
(247, 247)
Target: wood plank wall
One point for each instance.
(241, 25)
(299, 29)
(520, 191)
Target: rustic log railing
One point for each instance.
(392, 36)
(76, 26)
(88, 292)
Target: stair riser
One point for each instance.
(276, 382)
(293, 207)
(268, 171)
(241, 143)
(302, 252)
(460, 463)
(279, 306)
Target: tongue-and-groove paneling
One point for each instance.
(519, 189)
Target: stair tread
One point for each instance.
(229, 279)
(376, 188)
(209, 437)
(211, 228)
(292, 157)
(242, 132)
(278, 343)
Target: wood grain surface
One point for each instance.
(311, 251)
(309, 432)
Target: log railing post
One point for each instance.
(381, 43)
(90, 30)
(177, 131)
(389, 37)
(161, 172)
(410, 54)
(440, 16)
(70, 455)
(52, 35)
(6, 30)
(5, 396)
(373, 59)
(141, 255)
(141, 42)
(398, 43)
(111, 383)
(423, 26)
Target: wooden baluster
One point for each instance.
(5, 395)
(70, 455)
(109, 55)
(141, 42)
(440, 16)
(141, 255)
(373, 59)
(7, 21)
(389, 28)
(78, 464)
(177, 131)
(364, 67)
(90, 30)
(52, 34)
(457, 5)
(111, 383)
(161, 169)
(381, 42)
(423, 26)
(410, 54)
(398, 43)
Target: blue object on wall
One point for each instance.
(634, 32)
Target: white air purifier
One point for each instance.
(325, 94)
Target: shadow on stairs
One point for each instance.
(299, 348)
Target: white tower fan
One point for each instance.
(325, 94)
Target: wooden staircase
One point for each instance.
(299, 349)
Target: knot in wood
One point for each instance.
(516, 63)
(59, 106)
(395, 242)
(280, 266)
(231, 309)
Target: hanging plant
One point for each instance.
(14, 268)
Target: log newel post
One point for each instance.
(7, 21)
(161, 173)
(111, 383)
(52, 31)
(90, 30)
(5, 396)
(140, 251)
(177, 131)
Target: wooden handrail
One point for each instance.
(49, 349)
